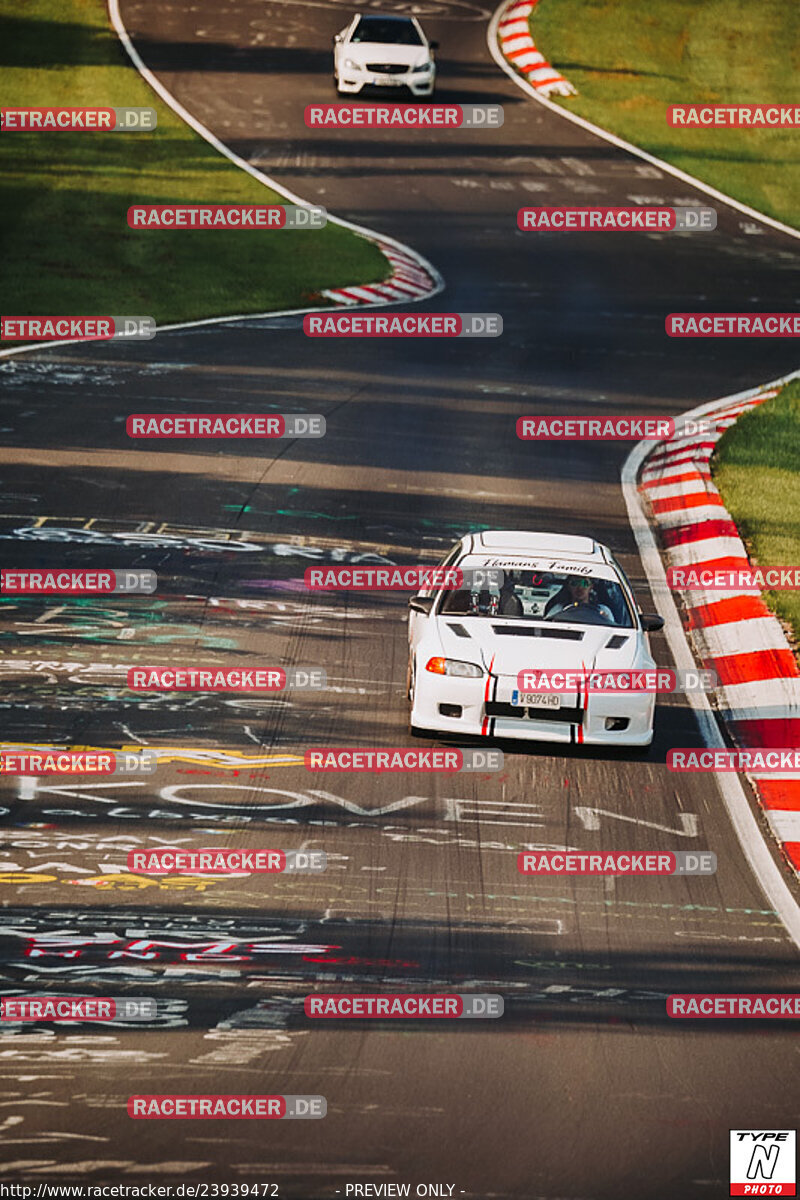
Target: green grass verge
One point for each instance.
(629, 59)
(64, 196)
(756, 467)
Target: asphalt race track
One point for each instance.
(584, 1090)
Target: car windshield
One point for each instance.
(379, 29)
(578, 599)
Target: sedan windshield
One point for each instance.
(579, 599)
(379, 29)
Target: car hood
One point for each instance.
(507, 647)
(386, 52)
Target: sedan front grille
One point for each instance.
(387, 68)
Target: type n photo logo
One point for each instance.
(763, 1162)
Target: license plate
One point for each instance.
(382, 81)
(535, 700)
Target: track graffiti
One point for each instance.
(149, 541)
(247, 800)
(84, 620)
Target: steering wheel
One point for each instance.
(581, 613)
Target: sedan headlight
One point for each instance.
(350, 65)
(452, 666)
(425, 69)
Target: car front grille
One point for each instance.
(569, 716)
(387, 68)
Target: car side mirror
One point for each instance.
(421, 604)
(433, 45)
(651, 622)
(337, 37)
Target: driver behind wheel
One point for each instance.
(577, 591)
(483, 603)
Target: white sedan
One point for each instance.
(542, 602)
(385, 52)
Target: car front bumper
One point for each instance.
(484, 716)
(417, 84)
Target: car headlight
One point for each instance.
(452, 666)
(350, 65)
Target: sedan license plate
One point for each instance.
(382, 81)
(535, 699)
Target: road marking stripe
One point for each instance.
(674, 487)
(765, 732)
(723, 611)
(680, 517)
(751, 665)
(546, 74)
(768, 698)
(683, 461)
(781, 793)
(517, 43)
(704, 551)
(686, 501)
(687, 449)
(734, 637)
(679, 535)
(785, 825)
(653, 482)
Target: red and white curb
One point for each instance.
(517, 45)
(733, 632)
(410, 280)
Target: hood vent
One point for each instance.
(564, 635)
(616, 641)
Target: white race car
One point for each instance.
(542, 602)
(385, 52)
